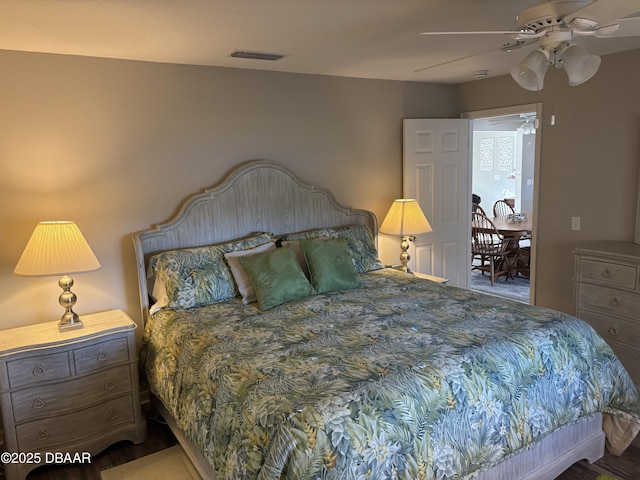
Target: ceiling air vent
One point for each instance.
(272, 57)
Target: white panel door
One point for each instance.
(436, 172)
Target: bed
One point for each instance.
(364, 371)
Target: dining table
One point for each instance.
(514, 228)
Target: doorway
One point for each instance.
(504, 156)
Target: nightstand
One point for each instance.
(74, 392)
(433, 278)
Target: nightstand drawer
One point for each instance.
(72, 395)
(100, 355)
(46, 433)
(607, 273)
(25, 371)
(610, 300)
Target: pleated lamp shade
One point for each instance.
(405, 217)
(56, 248)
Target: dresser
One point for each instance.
(73, 392)
(607, 295)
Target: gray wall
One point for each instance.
(116, 146)
(588, 166)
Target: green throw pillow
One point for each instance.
(330, 264)
(276, 277)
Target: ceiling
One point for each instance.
(353, 38)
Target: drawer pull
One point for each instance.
(606, 273)
(102, 356)
(38, 370)
(616, 301)
(112, 414)
(38, 403)
(108, 385)
(614, 330)
(42, 434)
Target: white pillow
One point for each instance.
(240, 276)
(158, 292)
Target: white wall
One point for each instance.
(490, 180)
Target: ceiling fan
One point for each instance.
(554, 25)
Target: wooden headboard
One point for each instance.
(259, 196)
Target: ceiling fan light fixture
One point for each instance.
(529, 74)
(579, 64)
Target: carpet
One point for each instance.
(169, 464)
(515, 289)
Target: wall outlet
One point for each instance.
(575, 223)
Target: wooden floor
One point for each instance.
(625, 467)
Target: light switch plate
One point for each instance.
(575, 223)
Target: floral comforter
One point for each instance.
(403, 378)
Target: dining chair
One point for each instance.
(490, 248)
(477, 208)
(502, 209)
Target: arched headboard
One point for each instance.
(259, 196)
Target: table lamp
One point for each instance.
(405, 218)
(58, 248)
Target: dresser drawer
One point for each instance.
(607, 273)
(71, 395)
(100, 355)
(40, 368)
(42, 434)
(609, 300)
(618, 330)
(621, 335)
(629, 358)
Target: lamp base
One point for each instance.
(404, 256)
(64, 325)
(70, 320)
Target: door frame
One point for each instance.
(511, 110)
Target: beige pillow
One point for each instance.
(245, 287)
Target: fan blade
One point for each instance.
(606, 31)
(515, 34)
(454, 60)
(480, 32)
(627, 27)
(605, 11)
